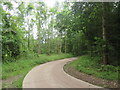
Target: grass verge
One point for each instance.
(24, 65)
(89, 69)
(91, 66)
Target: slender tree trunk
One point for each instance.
(39, 51)
(60, 45)
(29, 39)
(48, 44)
(65, 45)
(105, 51)
(38, 27)
(28, 42)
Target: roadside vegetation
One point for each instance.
(23, 65)
(93, 66)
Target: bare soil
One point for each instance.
(90, 78)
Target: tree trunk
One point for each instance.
(105, 50)
(65, 45)
(38, 27)
(28, 40)
(28, 43)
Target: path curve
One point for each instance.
(52, 75)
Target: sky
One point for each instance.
(50, 3)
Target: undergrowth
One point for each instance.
(92, 66)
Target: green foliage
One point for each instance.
(8, 4)
(77, 29)
(92, 66)
(10, 44)
(82, 25)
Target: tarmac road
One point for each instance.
(52, 75)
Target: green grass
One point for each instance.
(91, 66)
(23, 65)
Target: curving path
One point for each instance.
(52, 75)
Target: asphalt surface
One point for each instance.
(52, 75)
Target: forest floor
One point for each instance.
(78, 71)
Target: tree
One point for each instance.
(104, 31)
(40, 18)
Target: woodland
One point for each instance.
(78, 28)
